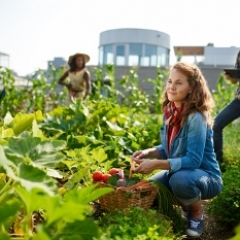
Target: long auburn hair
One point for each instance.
(200, 99)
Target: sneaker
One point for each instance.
(195, 228)
(185, 216)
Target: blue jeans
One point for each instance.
(226, 116)
(190, 186)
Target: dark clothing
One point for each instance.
(237, 65)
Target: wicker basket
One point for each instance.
(141, 195)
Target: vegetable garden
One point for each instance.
(50, 151)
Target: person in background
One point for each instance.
(79, 78)
(227, 115)
(185, 160)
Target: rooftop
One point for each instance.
(189, 50)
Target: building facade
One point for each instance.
(220, 56)
(134, 47)
(208, 56)
(57, 62)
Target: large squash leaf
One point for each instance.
(32, 150)
(30, 178)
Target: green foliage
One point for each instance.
(26, 161)
(46, 144)
(61, 215)
(2, 94)
(41, 93)
(167, 204)
(227, 205)
(12, 100)
(113, 180)
(9, 212)
(237, 235)
(158, 86)
(231, 147)
(103, 85)
(223, 94)
(136, 224)
(101, 124)
(133, 97)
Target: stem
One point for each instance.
(4, 191)
(27, 226)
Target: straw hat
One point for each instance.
(85, 57)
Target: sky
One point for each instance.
(33, 32)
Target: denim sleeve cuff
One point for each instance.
(162, 151)
(175, 164)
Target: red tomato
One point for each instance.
(106, 176)
(113, 171)
(97, 176)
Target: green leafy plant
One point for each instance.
(158, 87)
(27, 186)
(226, 207)
(50, 154)
(237, 235)
(136, 224)
(2, 94)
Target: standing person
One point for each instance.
(79, 78)
(185, 157)
(230, 113)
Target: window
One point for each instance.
(120, 55)
(107, 54)
(163, 57)
(135, 54)
(150, 56)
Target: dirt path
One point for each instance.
(213, 230)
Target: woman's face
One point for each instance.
(177, 87)
(79, 61)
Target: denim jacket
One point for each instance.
(192, 148)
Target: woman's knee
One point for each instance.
(180, 181)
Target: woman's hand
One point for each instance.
(140, 154)
(72, 92)
(147, 153)
(146, 166)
